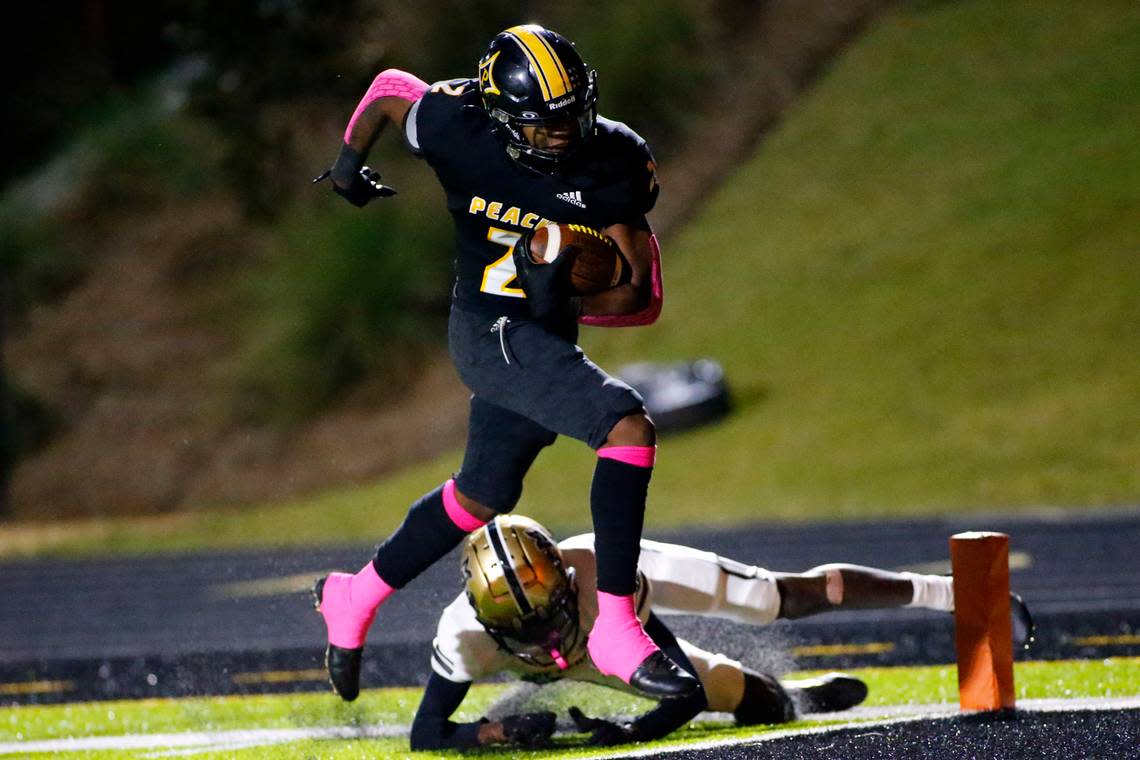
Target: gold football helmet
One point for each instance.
(522, 592)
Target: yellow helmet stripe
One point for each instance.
(562, 73)
(552, 76)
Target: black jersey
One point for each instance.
(493, 199)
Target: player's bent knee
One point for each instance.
(633, 430)
(804, 594)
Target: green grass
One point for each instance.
(394, 707)
(923, 287)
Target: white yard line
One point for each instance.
(193, 742)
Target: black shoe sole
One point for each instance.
(1021, 623)
(317, 591)
(835, 692)
(342, 665)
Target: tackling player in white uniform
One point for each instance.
(529, 605)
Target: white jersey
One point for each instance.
(672, 580)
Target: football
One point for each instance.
(598, 263)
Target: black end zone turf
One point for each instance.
(1060, 735)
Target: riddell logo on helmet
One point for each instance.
(561, 103)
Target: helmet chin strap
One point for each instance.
(559, 660)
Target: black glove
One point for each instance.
(546, 285)
(355, 183)
(528, 730)
(362, 188)
(603, 733)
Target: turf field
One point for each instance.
(319, 725)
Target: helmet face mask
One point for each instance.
(541, 96)
(554, 630)
(521, 592)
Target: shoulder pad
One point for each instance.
(444, 113)
(454, 87)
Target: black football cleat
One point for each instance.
(343, 665)
(1021, 622)
(827, 693)
(1022, 628)
(658, 677)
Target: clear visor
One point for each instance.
(556, 137)
(559, 136)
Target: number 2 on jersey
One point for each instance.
(500, 275)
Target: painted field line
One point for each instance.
(1106, 641)
(276, 586)
(201, 740)
(838, 650)
(193, 742)
(280, 676)
(35, 687)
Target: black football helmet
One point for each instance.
(533, 77)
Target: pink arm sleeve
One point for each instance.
(388, 83)
(649, 314)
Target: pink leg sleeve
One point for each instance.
(463, 519)
(638, 456)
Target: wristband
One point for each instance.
(347, 166)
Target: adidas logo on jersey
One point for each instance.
(573, 196)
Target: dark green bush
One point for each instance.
(348, 294)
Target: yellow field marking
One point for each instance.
(289, 584)
(1020, 561)
(1106, 641)
(835, 650)
(948, 668)
(281, 676)
(1017, 561)
(36, 687)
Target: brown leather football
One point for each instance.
(598, 263)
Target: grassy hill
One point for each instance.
(924, 286)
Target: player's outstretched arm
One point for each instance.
(388, 100)
(433, 728)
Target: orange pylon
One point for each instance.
(982, 636)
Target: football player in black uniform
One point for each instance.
(519, 147)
